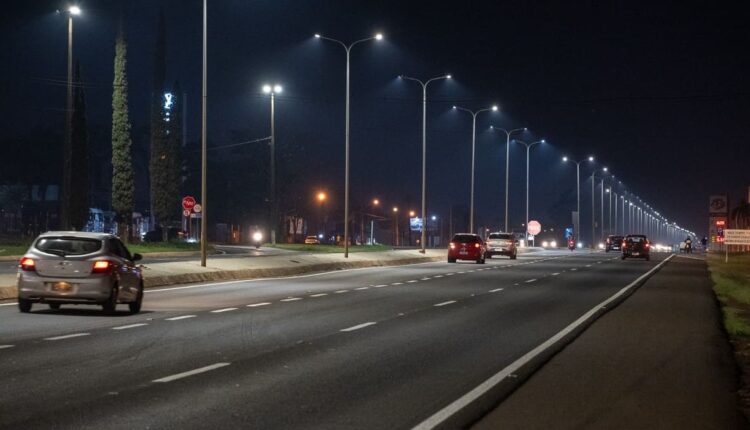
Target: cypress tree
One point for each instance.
(174, 158)
(79, 196)
(158, 162)
(123, 187)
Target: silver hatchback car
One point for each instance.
(79, 268)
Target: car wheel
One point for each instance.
(24, 305)
(110, 306)
(451, 260)
(513, 256)
(54, 306)
(488, 256)
(135, 306)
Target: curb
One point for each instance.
(9, 292)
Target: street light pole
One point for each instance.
(68, 140)
(204, 148)
(578, 191)
(273, 90)
(528, 149)
(507, 169)
(424, 151)
(348, 49)
(473, 152)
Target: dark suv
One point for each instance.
(636, 245)
(613, 242)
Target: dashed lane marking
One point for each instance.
(412, 281)
(379, 286)
(362, 288)
(125, 327)
(318, 295)
(556, 273)
(181, 317)
(291, 299)
(438, 276)
(496, 290)
(67, 336)
(218, 311)
(255, 305)
(530, 281)
(358, 326)
(340, 291)
(397, 283)
(191, 372)
(450, 302)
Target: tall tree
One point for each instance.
(123, 187)
(79, 196)
(741, 215)
(158, 163)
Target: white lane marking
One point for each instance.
(445, 303)
(318, 295)
(358, 326)
(440, 416)
(341, 291)
(6, 346)
(380, 286)
(496, 290)
(125, 327)
(412, 281)
(449, 274)
(573, 269)
(67, 336)
(425, 279)
(291, 299)
(530, 281)
(255, 305)
(218, 311)
(213, 284)
(397, 283)
(438, 276)
(556, 273)
(362, 288)
(461, 273)
(598, 262)
(588, 265)
(180, 317)
(191, 372)
(9, 304)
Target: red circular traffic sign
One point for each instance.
(534, 228)
(188, 202)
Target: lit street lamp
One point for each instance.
(473, 152)
(528, 148)
(578, 192)
(348, 49)
(395, 222)
(507, 169)
(424, 146)
(273, 90)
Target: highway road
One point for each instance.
(366, 349)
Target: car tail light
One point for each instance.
(476, 245)
(28, 264)
(453, 245)
(102, 266)
(648, 245)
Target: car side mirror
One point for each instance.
(137, 257)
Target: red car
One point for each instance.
(467, 246)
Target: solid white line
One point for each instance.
(125, 327)
(496, 290)
(362, 288)
(412, 281)
(180, 317)
(218, 311)
(6, 346)
(379, 286)
(318, 295)
(359, 326)
(67, 336)
(255, 305)
(530, 281)
(440, 416)
(291, 299)
(191, 372)
(397, 283)
(445, 303)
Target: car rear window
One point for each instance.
(506, 236)
(636, 239)
(68, 245)
(465, 238)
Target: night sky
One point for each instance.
(658, 93)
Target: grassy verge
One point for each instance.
(145, 248)
(329, 248)
(13, 249)
(732, 288)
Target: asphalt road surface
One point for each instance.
(223, 251)
(369, 348)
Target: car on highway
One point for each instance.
(613, 242)
(312, 240)
(68, 267)
(636, 246)
(466, 246)
(502, 244)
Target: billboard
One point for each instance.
(718, 205)
(415, 224)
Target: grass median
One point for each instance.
(327, 249)
(732, 288)
(16, 249)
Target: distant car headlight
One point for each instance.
(257, 236)
(601, 246)
(553, 244)
(545, 244)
